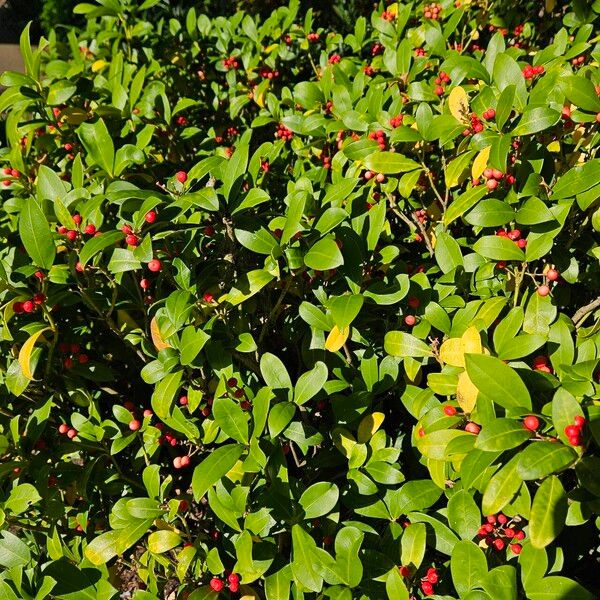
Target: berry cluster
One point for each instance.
(284, 133)
(181, 120)
(476, 126)
(233, 581)
(377, 49)
(427, 582)
(578, 60)
(530, 72)
(421, 215)
(8, 172)
(432, 11)
(238, 392)
(379, 177)
(72, 352)
(29, 306)
(493, 178)
(64, 429)
(499, 531)
(440, 81)
(231, 63)
(369, 70)
(489, 114)
(379, 137)
(268, 73)
(396, 121)
(420, 52)
(313, 37)
(73, 234)
(388, 15)
(334, 59)
(573, 432)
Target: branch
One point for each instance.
(580, 315)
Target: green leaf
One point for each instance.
(581, 92)
(539, 315)
(231, 419)
(324, 255)
(389, 163)
(163, 541)
(21, 498)
(501, 583)
(542, 458)
(463, 515)
(274, 372)
(13, 552)
(123, 260)
(447, 253)
(249, 284)
(165, 391)
(496, 247)
(348, 565)
(96, 244)
(98, 144)
(395, 587)
(219, 462)
(192, 342)
(548, 512)
(112, 543)
(463, 203)
(501, 488)
(319, 499)
(433, 445)
(51, 187)
(490, 213)
(399, 343)
(344, 309)
(304, 560)
(557, 588)
(536, 119)
(578, 179)
(502, 434)
(35, 234)
(497, 381)
(468, 566)
(310, 383)
(412, 544)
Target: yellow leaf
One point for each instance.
(554, 146)
(99, 65)
(236, 472)
(458, 102)
(550, 5)
(466, 393)
(157, 339)
(369, 425)
(336, 338)
(453, 351)
(393, 9)
(480, 163)
(26, 350)
(343, 440)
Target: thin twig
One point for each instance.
(582, 313)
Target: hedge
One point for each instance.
(295, 313)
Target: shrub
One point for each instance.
(291, 313)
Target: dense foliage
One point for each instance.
(294, 313)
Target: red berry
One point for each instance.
(232, 382)
(233, 578)
(126, 229)
(522, 243)
(131, 240)
(579, 421)
(414, 302)
(572, 431)
(491, 184)
(216, 584)
(83, 359)
(410, 320)
(71, 433)
(150, 216)
(145, 284)
(148, 413)
(502, 519)
(575, 440)
(516, 548)
(543, 290)
(520, 535)
(404, 571)
(208, 297)
(71, 235)
(472, 428)
(134, 425)
(531, 423)
(39, 274)
(183, 400)
(90, 229)
(449, 410)
(427, 588)
(177, 462)
(28, 306)
(154, 265)
(39, 298)
(77, 219)
(63, 428)
(491, 519)
(181, 176)
(439, 90)
(498, 544)
(489, 114)
(509, 533)
(552, 275)
(185, 461)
